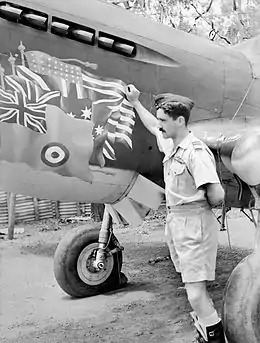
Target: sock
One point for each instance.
(211, 320)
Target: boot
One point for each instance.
(215, 333)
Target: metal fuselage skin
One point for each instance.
(166, 60)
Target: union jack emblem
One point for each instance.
(24, 103)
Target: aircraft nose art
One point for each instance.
(58, 127)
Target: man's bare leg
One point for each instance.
(206, 319)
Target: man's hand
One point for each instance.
(149, 121)
(132, 94)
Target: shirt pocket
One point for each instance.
(178, 168)
(180, 177)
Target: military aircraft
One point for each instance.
(67, 131)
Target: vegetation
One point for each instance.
(223, 21)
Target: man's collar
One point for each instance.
(185, 142)
(183, 145)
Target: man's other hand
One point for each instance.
(132, 94)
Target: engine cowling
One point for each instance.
(245, 158)
(129, 193)
(238, 143)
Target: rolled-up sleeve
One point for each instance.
(203, 167)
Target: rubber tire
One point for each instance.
(65, 264)
(241, 306)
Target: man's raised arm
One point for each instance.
(149, 121)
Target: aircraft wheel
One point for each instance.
(73, 265)
(241, 307)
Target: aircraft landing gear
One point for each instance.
(89, 261)
(241, 307)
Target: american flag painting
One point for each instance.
(85, 96)
(24, 103)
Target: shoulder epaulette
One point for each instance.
(198, 145)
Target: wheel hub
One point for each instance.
(87, 270)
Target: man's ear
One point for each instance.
(181, 120)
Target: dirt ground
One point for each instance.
(150, 309)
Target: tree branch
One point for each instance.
(238, 10)
(224, 38)
(206, 11)
(200, 15)
(172, 23)
(163, 8)
(209, 6)
(217, 34)
(124, 2)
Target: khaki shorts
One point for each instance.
(192, 237)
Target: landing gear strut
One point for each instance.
(241, 308)
(89, 261)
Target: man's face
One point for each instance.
(168, 125)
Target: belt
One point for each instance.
(188, 207)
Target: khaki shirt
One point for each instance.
(187, 167)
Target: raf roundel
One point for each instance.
(54, 154)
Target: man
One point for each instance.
(192, 187)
